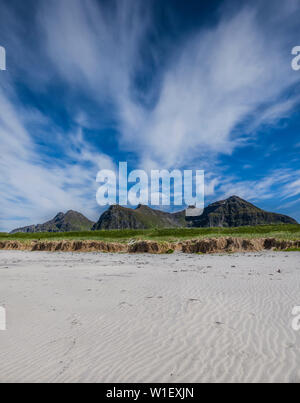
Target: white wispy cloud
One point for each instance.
(212, 82)
(33, 188)
(264, 188)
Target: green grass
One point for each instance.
(289, 250)
(288, 232)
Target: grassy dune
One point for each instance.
(288, 232)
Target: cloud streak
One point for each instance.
(215, 81)
(33, 187)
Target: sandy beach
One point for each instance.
(91, 317)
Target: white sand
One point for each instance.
(144, 318)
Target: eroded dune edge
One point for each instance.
(212, 245)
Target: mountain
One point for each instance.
(71, 221)
(236, 212)
(143, 217)
(232, 212)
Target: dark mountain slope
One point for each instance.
(236, 212)
(143, 217)
(71, 221)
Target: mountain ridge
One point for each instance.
(68, 222)
(231, 212)
(236, 212)
(143, 217)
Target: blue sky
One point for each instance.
(160, 84)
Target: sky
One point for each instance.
(160, 84)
